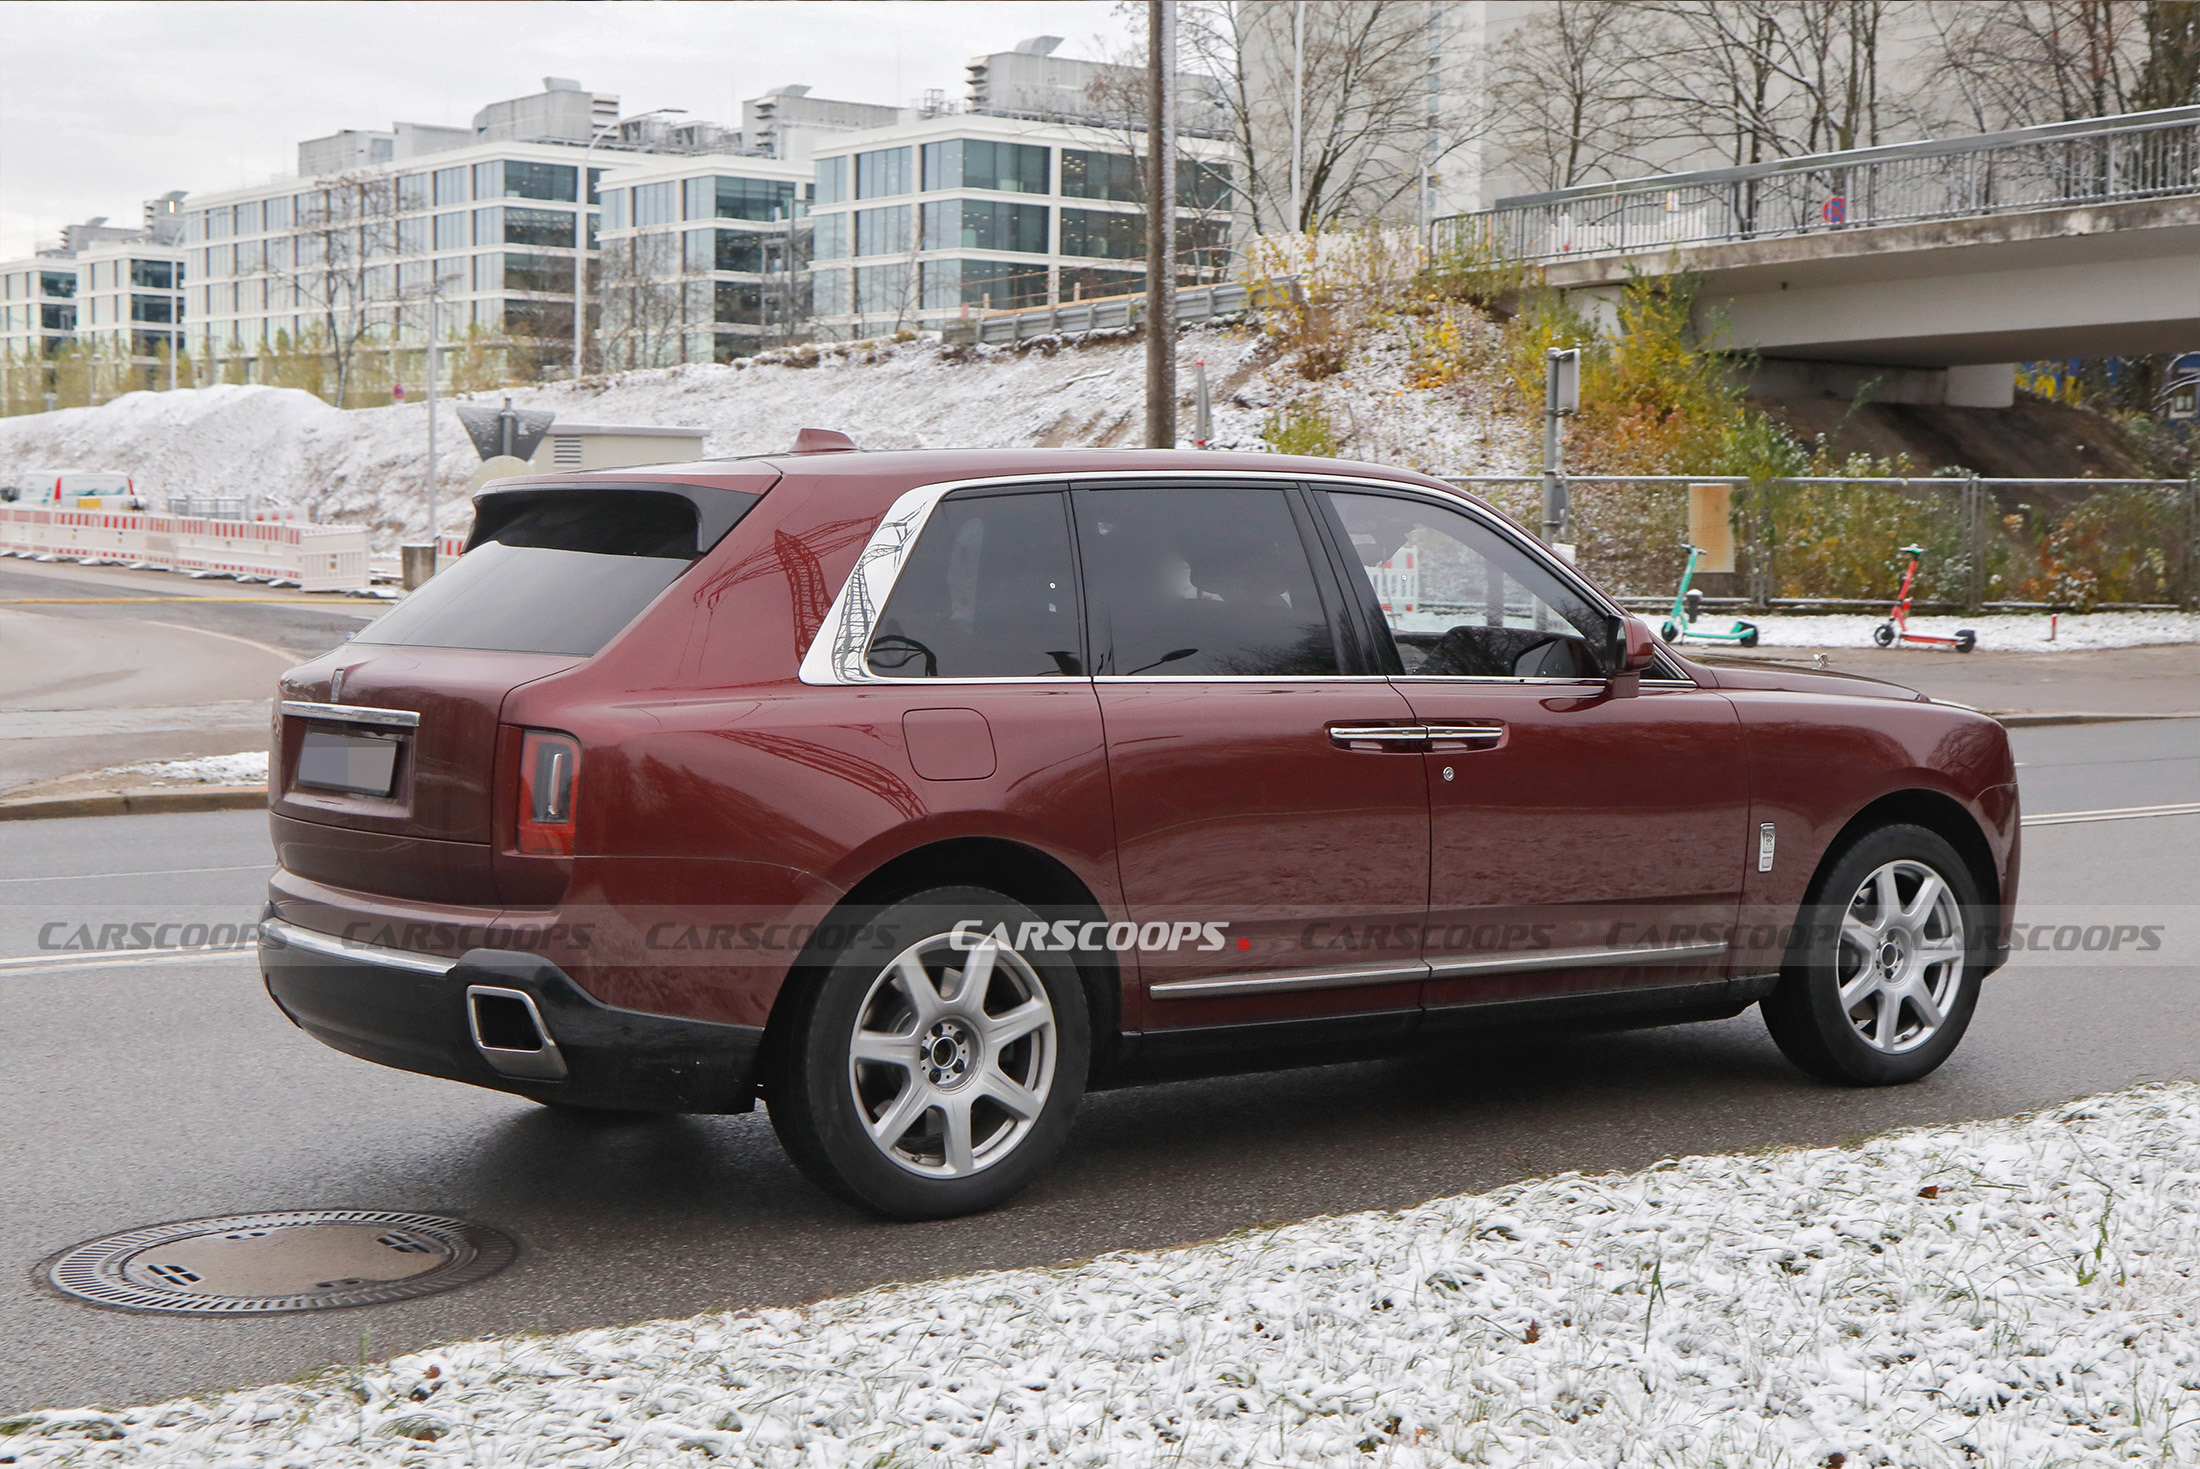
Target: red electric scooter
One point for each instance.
(1897, 626)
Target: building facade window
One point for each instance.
(1107, 234)
(740, 250)
(1089, 174)
(451, 232)
(737, 303)
(1083, 282)
(885, 172)
(154, 275)
(655, 204)
(542, 227)
(59, 284)
(550, 274)
(829, 237)
(883, 290)
(551, 319)
(983, 163)
(884, 231)
(413, 235)
(152, 308)
(997, 284)
(985, 224)
(555, 183)
(412, 191)
(832, 181)
(450, 187)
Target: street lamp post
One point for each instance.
(580, 230)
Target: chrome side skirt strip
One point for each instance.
(1275, 982)
(1596, 956)
(281, 935)
(1283, 981)
(352, 714)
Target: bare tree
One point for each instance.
(2012, 63)
(1377, 98)
(644, 305)
(1566, 95)
(344, 238)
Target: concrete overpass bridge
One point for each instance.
(1932, 268)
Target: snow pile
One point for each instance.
(248, 768)
(367, 466)
(2000, 632)
(2013, 1292)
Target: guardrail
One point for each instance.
(314, 558)
(1101, 314)
(2139, 155)
(1825, 541)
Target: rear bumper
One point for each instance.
(413, 1012)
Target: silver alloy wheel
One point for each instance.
(953, 1054)
(1900, 957)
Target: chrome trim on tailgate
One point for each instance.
(352, 714)
(289, 936)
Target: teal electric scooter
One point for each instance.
(1680, 623)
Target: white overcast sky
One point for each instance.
(107, 104)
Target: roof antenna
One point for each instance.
(823, 441)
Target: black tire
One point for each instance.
(1749, 635)
(1669, 632)
(1805, 1013)
(1884, 635)
(824, 1103)
(1966, 640)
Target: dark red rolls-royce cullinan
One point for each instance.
(918, 793)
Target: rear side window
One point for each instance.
(562, 573)
(986, 593)
(1200, 582)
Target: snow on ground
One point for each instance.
(1997, 632)
(244, 769)
(2013, 1292)
(367, 465)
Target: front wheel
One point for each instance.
(1749, 635)
(935, 1075)
(1669, 632)
(1883, 975)
(1884, 635)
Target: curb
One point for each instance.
(2037, 721)
(138, 803)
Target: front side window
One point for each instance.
(986, 593)
(1201, 582)
(1461, 601)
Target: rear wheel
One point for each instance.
(937, 1078)
(1884, 973)
(1966, 640)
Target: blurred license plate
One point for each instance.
(356, 764)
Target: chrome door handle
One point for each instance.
(1378, 738)
(1464, 736)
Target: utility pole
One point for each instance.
(1298, 109)
(1561, 399)
(435, 337)
(1160, 224)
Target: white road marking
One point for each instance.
(119, 959)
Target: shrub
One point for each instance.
(1301, 428)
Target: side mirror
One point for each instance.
(1638, 649)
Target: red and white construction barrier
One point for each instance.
(315, 558)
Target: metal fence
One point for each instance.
(1828, 543)
(2142, 155)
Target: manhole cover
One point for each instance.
(300, 1260)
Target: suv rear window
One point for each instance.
(563, 571)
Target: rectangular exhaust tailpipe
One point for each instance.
(509, 1033)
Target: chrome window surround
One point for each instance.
(837, 655)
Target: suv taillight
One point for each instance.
(549, 788)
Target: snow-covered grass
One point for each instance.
(2014, 1292)
(1997, 632)
(246, 768)
(365, 466)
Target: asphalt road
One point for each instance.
(135, 1093)
(102, 666)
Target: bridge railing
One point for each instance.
(1829, 543)
(2143, 155)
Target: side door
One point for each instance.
(1584, 837)
(1264, 781)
